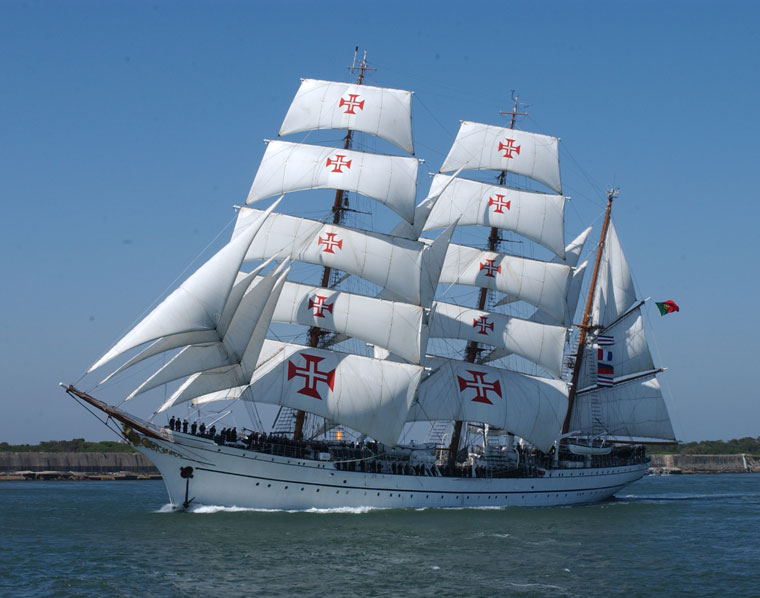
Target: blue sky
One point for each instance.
(129, 129)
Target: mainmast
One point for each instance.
(473, 349)
(584, 326)
(338, 210)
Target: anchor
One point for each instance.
(186, 473)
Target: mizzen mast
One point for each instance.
(473, 349)
(584, 326)
(338, 210)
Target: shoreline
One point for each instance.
(30, 466)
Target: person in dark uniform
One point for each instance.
(194, 428)
(203, 429)
(171, 423)
(184, 426)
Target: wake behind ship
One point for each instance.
(569, 432)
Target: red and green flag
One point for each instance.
(667, 307)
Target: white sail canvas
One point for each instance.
(258, 304)
(198, 303)
(539, 217)
(385, 113)
(407, 268)
(615, 291)
(530, 407)
(478, 146)
(540, 343)
(393, 325)
(368, 395)
(632, 410)
(542, 284)
(287, 167)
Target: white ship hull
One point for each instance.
(227, 476)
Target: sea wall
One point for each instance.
(85, 463)
(705, 463)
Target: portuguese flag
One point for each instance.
(667, 307)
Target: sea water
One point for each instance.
(693, 535)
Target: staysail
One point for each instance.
(198, 304)
(617, 393)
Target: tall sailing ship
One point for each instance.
(570, 431)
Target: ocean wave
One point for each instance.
(684, 497)
(211, 509)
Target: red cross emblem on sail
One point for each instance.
(338, 163)
(490, 268)
(482, 388)
(331, 242)
(352, 103)
(311, 375)
(319, 306)
(509, 148)
(499, 204)
(482, 323)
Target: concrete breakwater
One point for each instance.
(75, 466)
(704, 464)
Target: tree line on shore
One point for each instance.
(747, 445)
(76, 445)
(737, 446)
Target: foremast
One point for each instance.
(473, 349)
(584, 326)
(338, 210)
